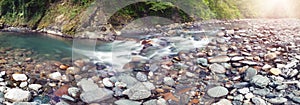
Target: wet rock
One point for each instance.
(238, 98)
(219, 59)
(250, 73)
(19, 77)
(217, 68)
(258, 101)
(169, 81)
(278, 100)
(260, 81)
(217, 91)
(127, 102)
(63, 67)
(128, 80)
(96, 95)
(141, 77)
(107, 83)
(55, 76)
(137, 92)
(17, 95)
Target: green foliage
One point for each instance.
(159, 6)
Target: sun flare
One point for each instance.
(276, 8)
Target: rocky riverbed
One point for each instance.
(253, 65)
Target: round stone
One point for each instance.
(17, 95)
(217, 91)
(19, 77)
(217, 68)
(107, 83)
(141, 77)
(169, 81)
(260, 81)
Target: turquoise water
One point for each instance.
(43, 46)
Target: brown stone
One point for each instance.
(170, 96)
(63, 67)
(63, 90)
(275, 71)
(219, 59)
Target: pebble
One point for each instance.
(260, 81)
(96, 95)
(72, 70)
(244, 90)
(141, 77)
(87, 85)
(19, 77)
(270, 56)
(219, 59)
(258, 101)
(107, 83)
(277, 100)
(169, 81)
(266, 67)
(296, 99)
(66, 97)
(55, 76)
(217, 91)
(35, 87)
(17, 95)
(249, 95)
(275, 71)
(73, 91)
(250, 73)
(151, 102)
(137, 92)
(23, 84)
(237, 58)
(223, 102)
(202, 61)
(127, 102)
(239, 98)
(217, 68)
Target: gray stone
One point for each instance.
(19, 77)
(258, 101)
(202, 61)
(169, 81)
(217, 91)
(237, 58)
(260, 81)
(262, 92)
(296, 99)
(238, 97)
(223, 102)
(250, 63)
(128, 80)
(137, 92)
(277, 100)
(72, 70)
(141, 77)
(249, 95)
(293, 73)
(106, 82)
(127, 102)
(244, 90)
(25, 103)
(66, 97)
(96, 95)
(150, 102)
(87, 85)
(217, 68)
(62, 103)
(17, 95)
(250, 72)
(219, 59)
(281, 87)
